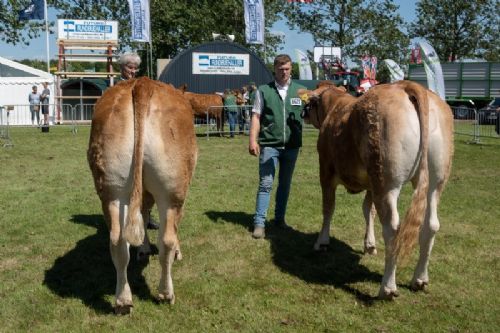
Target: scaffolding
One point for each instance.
(83, 51)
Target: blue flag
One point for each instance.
(34, 11)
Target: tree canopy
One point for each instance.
(457, 29)
(357, 26)
(460, 29)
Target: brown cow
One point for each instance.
(391, 135)
(142, 147)
(203, 104)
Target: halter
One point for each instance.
(307, 106)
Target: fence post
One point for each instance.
(6, 135)
(74, 130)
(476, 135)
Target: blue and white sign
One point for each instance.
(87, 30)
(139, 12)
(221, 63)
(254, 21)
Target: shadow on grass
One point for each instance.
(87, 272)
(292, 252)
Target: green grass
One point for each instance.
(56, 273)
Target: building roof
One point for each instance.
(12, 72)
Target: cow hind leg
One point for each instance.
(389, 216)
(369, 212)
(426, 240)
(119, 249)
(169, 250)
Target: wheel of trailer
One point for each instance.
(461, 112)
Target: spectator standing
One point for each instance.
(243, 115)
(275, 137)
(45, 103)
(34, 100)
(231, 109)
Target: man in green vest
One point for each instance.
(231, 110)
(275, 137)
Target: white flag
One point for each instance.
(139, 12)
(305, 72)
(254, 21)
(395, 71)
(435, 80)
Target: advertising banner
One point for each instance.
(305, 72)
(139, 12)
(395, 72)
(87, 30)
(221, 63)
(254, 21)
(433, 70)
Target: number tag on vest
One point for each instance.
(295, 101)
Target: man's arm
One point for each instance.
(253, 145)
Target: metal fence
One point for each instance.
(217, 121)
(476, 124)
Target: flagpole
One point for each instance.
(47, 34)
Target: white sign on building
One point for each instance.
(87, 30)
(221, 63)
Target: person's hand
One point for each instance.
(254, 148)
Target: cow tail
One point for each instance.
(134, 226)
(407, 235)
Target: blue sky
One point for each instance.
(293, 39)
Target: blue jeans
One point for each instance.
(232, 117)
(268, 161)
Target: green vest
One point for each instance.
(230, 103)
(280, 121)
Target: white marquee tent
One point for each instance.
(16, 81)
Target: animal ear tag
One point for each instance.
(305, 98)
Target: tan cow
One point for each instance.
(203, 104)
(142, 147)
(393, 134)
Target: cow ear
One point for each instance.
(342, 88)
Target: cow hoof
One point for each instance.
(123, 309)
(419, 285)
(170, 299)
(387, 295)
(371, 250)
(178, 255)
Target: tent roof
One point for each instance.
(12, 72)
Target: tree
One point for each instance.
(356, 26)
(12, 30)
(460, 28)
(176, 25)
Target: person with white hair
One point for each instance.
(129, 65)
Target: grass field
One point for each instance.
(56, 274)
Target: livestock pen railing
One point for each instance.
(218, 121)
(476, 124)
